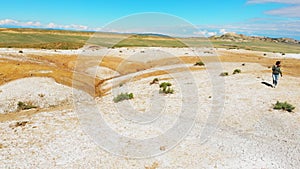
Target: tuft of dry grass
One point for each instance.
(154, 165)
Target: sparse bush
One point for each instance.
(282, 54)
(123, 96)
(25, 106)
(265, 54)
(237, 71)
(200, 63)
(20, 51)
(154, 81)
(41, 95)
(243, 64)
(283, 106)
(165, 87)
(224, 74)
(21, 123)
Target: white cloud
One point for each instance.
(72, 26)
(291, 11)
(211, 33)
(78, 27)
(201, 33)
(208, 31)
(7, 22)
(223, 31)
(18, 23)
(259, 26)
(289, 27)
(51, 25)
(10, 22)
(32, 23)
(205, 33)
(255, 26)
(273, 1)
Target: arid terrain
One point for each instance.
(248, 133)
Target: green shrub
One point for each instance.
(224, 74)
(237, 71)
(200, 63)
(123, 96)
(25, 106)
(165, 87)
(283, 106)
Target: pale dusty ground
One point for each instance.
(41, 92)
(131, 51)
(250, 134)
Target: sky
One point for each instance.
(273, 18)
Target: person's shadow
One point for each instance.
(267, 84)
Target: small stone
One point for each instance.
(162, 148)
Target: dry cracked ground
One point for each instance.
(234, 125)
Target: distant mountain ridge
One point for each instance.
(234, 37)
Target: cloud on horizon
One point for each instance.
(274, 1)
(291, 11)
(18, 23)
(36, 24)
(286, 22)
(253, 27)
(259, 27)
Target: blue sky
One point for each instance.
(275, 18)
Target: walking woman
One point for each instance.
(275, 73)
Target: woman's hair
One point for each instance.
(277, 62)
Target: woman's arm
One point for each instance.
(280, 72)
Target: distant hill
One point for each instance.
(233, 37)
(64, 39)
